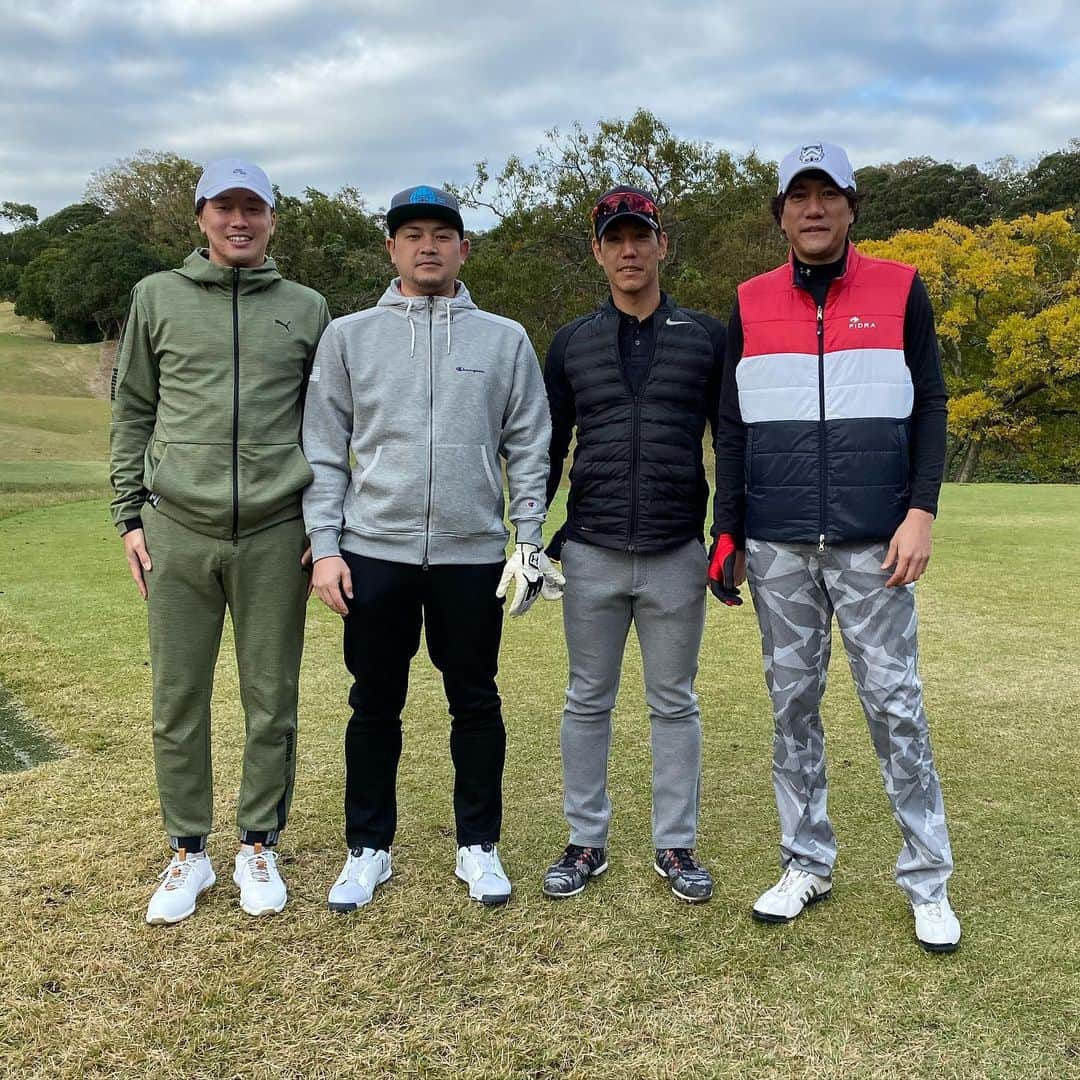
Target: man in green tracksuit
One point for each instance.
(207, 470)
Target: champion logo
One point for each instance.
(858, 323)
(471, 370)
(287, 325)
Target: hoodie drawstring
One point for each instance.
(449, 323)
(412, 329)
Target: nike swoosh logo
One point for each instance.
(682, 322)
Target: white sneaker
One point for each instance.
(936, 926)
(182, 882)
(364, 869)
(793, 892)
(262, 892)
(479, 866)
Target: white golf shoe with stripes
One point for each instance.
(795, 890)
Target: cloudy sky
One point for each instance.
(381, 95)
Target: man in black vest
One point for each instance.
(637, 379)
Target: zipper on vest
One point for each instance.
(822, 478)
(236, 407)
(431, 427)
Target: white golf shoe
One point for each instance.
(936, 926)
(262, 892)
(795, 890)
(478, 865)
(182, 882)
(364, 869)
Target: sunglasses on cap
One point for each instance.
(625, 202)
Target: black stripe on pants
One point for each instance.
(462, 620)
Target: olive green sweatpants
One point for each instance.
(193, 580)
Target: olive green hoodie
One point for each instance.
(207, 397)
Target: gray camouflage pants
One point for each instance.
(796, 591)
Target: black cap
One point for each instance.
(623, 202)
(423, 202)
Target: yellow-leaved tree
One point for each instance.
(1007, 301)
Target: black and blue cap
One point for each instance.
(423, 202)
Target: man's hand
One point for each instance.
(909, 549)
(332, 583)
(138, 558)
(727, 570)
(305, 567)
(533, 575)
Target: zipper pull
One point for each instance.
(821, 544)
(820, 320)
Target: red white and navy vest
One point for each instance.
(826, 396)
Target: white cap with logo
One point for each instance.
(818, 156)
(228, 173)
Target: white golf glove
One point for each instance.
(533, 575)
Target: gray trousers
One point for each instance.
(796, 592)
(664, 596)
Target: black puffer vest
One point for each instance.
(638, 481)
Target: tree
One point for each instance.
(536, 264)
(1007, 297)
(1053, 184)
(153, 193)
(331, 243)
(19, 214)
(916, 192)
(80, 283)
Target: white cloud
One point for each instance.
(341, 93)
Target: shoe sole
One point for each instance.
(768, 917)
(682, 896)
(161, 920)
(495, 900)
(578, 891)
(344, 909)
(939, 947)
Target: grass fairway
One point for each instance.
(622, 981)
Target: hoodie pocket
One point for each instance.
(467, 499)
(195, 478)
(389, 490)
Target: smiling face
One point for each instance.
(427, 254)
(237, 225)
(815, 218)
(630, 253)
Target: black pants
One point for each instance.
(463, 624)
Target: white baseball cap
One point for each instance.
(824, 157)
(228, 173)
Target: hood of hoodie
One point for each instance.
(198, 268)
(445, 309)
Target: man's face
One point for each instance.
(237, 225)
(630, 253)
(427, 254)
(816, 218)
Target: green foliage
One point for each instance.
(80, 283)
(536, 264)
(19, 214)
(1053, 184)
(914, 193)
(153, 193)
(331, 243)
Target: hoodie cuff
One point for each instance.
(324, 543)
(128, 525)
(530, 532)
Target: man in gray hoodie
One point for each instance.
(411, 406)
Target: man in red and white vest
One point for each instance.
(830, 452)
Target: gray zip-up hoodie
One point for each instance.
(410, 407)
